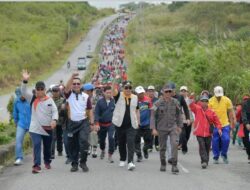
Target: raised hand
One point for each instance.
(26, 75)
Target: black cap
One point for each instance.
(40, 84)
(126, 83)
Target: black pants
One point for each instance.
(147, 137)
(184, 137)
(102, 138)
(78, 141)
(154, 141)
(204, 148)
(246, 141)
(57, 139)
(126, 142)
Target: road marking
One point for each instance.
(184, 169)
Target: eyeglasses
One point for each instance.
(39, 89)
(78, 84)
(168, 91)
(128, 87)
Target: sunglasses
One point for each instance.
(39, 89)
(168, 91)
(76, 84)
(55, 90)
(128, 87)
(183, 91)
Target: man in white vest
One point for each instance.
(126, 117)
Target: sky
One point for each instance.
(115, 3)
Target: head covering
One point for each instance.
(18, 92)
(139, 90)
(151, 87)
(40, 84)
(88, 86)
(183, 88)
(169, 86)
(218, 91)
(204, 97)
(126, 83)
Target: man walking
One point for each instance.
(21, 116)
(103, 119)
(43, 120)
(223, 107)
(169, 122)
(78, 125)
(145, 106)
(125, 118)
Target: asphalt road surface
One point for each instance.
(63, 73)
(146, 176)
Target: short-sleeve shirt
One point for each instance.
(78, 104)
(221, 108)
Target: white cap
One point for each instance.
(218, 91)
(139, 89)
(183, 88)
(151, 87)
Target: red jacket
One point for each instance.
(201, 125)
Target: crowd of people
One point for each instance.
(80, 118)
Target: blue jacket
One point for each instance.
(22, 113)
(104, 112)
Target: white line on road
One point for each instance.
(184, 169)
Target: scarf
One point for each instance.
(126, 98)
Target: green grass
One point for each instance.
(34, 36)
(7, 133)
(200, 45)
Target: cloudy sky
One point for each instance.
(116, 3)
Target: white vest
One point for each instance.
(120, 109)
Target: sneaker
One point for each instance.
(36, 169)
(216, 161)
(131, 166)
(170, 161)
(110, 159)
(84, 167)
(68, 161)
(145, 154)
(139, 158)
(157, 148)
(179, 147)
(225, 160)
(102, 155)
(18, 162)
(122, 164)
(163, 168)
(150, 150)
(74, 168)
(175, 170)
(52, 156)
(60, 153)
(204, 165)
(94, 153)
(47, 166)
(184, 152)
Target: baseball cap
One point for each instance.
(204, 97)
(218, 91)
(88, 86)
(169, 86)
(139, 89)
(40, 84)
(55, 88)
(18, 92)
(126, 83)
(151, 87)
(183, 88)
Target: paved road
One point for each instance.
(63, 74)
(106, 176)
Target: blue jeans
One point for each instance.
(20, 133)
(102, 136)
(37, 141)
(220, 144)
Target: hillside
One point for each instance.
(33, 35)
(195, 44)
